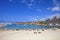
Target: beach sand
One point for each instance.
(48, 34)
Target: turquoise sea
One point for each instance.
(25, 26)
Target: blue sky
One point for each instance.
(28, 10)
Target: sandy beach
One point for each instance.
(48, 34)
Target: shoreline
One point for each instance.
(28, 29)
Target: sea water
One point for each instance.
(24, 26)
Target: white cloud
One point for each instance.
(57, 15)
(30, 2)
(57, 8)
(56, 3)
(29, 5)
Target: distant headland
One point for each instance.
(55, 21)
